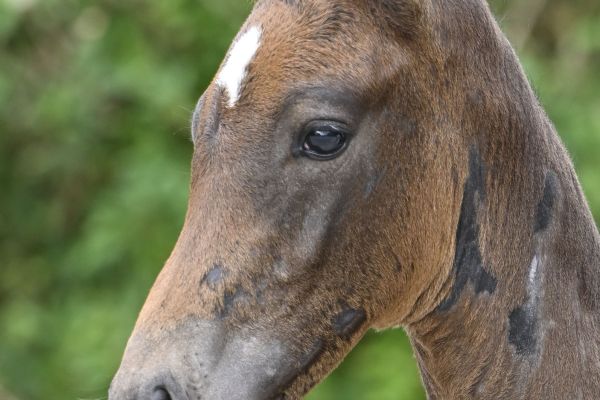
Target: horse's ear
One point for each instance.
(403, 17)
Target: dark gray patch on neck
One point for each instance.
(545, 208)
(523, 330)
(468, 263)
(523, 327)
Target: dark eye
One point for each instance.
(324, 142)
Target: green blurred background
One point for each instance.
(95, 103)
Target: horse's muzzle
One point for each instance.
(203, 360)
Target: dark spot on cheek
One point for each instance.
(230, 299)
(523, 330)
(214, 276)
(546, 206)
(348, 321)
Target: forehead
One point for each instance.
(288, 44)
(304, 36)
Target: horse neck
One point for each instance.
(522, 311)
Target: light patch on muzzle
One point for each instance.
(204, 359)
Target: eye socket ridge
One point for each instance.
(324, 140)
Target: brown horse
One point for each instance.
(372, 164)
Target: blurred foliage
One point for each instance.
(95, 99)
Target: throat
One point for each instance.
(522, 312)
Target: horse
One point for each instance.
(370, 165)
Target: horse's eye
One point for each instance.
(324, 142)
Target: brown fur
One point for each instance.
(291, 249)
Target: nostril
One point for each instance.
(160, 393)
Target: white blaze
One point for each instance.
(241, 54)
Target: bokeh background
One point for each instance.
(95, 103)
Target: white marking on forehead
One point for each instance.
(241, 54)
